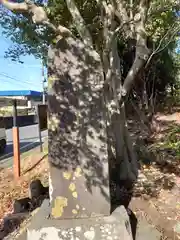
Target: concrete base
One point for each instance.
(116, 226)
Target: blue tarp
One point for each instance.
(20, 93)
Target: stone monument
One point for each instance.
(80, 202)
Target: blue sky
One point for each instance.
(25, 76)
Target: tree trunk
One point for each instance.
(125, 156)
(118, 135)
(124, 173)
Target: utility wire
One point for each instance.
(9, 81)
(14, 79)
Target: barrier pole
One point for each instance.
(16, 148)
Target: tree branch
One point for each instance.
(142, 52)
(107, 18)
(111, 40)
(37, 13)
(121, 11)
(129, 80)
(79, 22)
(15, 7)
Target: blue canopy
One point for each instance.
(13, 93)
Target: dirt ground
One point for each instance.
(157, 193)
(32, 167)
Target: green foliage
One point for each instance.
(29, 38)
(173, 140)
(58, 13)
(158, 25)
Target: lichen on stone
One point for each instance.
(72, 187)
(78, 229)
(78, 172)
(67, 175)
(89, 235)
(59, 204)
(74, 211)
(75, 195)
(53, 122)
(51, 80)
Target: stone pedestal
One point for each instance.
(79, 170)
(116, 226)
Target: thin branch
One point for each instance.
(79, 22)
(159, 48)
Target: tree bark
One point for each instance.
(118, 131)
(125, 156)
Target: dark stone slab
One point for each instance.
(116, 226)
(79, 174)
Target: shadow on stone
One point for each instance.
(77, 130)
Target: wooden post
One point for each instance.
(39, 128)
(16, 148)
